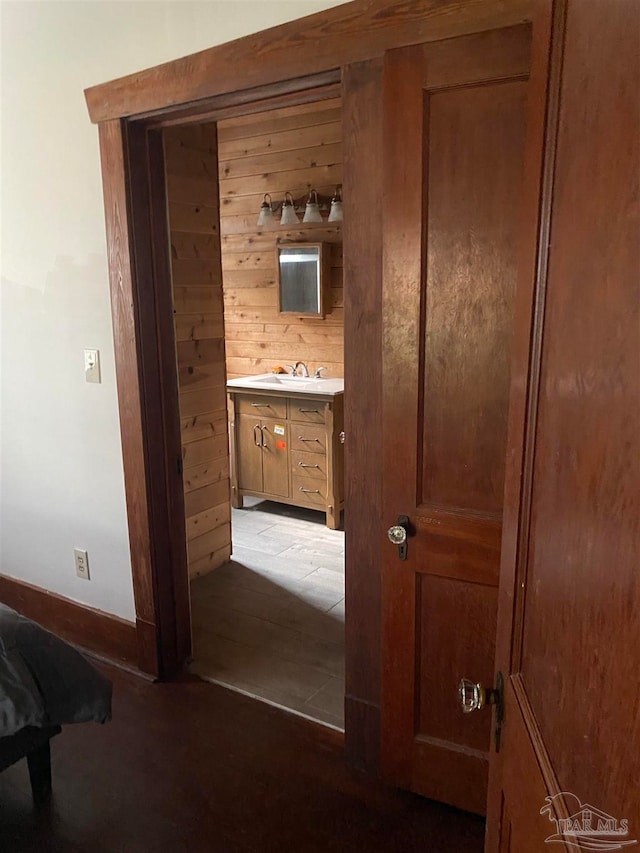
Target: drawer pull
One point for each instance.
(310, 491)
(261, 405)
(306, 465)
(309, 411)
(301, 438)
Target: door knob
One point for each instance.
(474, 697)
(398, 535)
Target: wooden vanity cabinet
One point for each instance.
(288, 448)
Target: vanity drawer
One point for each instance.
(306, 411)
(262, 406)
(312, 493)
(310, 438)
(310, 465)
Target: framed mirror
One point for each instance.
(301, 278)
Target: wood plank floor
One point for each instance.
(194, 768)
(271, 621)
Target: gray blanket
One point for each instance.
(45, 681)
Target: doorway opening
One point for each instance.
(263, 519)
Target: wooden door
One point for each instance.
(569, 622)
(248, 453)
(275, 458)
(454, 134)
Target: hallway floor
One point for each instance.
(271, 622)
(190, 767)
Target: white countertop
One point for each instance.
(326, 387)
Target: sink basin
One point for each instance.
(282, 382)
(281, 379)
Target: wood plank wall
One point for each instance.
(296, 149)
(193, 206)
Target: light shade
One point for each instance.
(289, 215)
(335, 214)
(266, 212)
(312, 210)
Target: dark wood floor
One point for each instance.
(194, 767)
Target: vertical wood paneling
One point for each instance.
(193, 207)
(293, 148)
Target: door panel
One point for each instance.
(569, 618)
(248, 454)
(275, 459)
(454, 135)
(474, 148)
(471, 645)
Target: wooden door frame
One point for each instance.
(347, 43)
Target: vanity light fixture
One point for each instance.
(314, 205)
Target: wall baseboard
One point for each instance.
(94, 630)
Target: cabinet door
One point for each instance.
(249, 453)
(275, 457)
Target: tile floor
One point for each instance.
(271, 621)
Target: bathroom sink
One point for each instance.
(284, 383)
(281, 379)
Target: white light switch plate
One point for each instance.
(92, 365)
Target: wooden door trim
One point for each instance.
(140, 277)
(542, 124)
(302, 90)
(351, 32)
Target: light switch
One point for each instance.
(92, 365)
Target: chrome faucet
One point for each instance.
(303, 368)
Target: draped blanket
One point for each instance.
(45, 681)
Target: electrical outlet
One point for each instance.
(82, 563)
(92, 365)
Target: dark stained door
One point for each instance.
(454, 135)
(569, 625)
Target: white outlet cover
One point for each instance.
(82, 563)
(92, 365)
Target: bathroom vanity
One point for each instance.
(286, 436)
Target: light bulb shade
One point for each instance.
(312, 212)
(289, 215)
(335, 214)
(266, 215)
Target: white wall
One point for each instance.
(61, 466)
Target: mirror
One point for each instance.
(301, 274)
